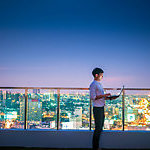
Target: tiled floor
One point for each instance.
(25, 148)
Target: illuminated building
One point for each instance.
(34, 110)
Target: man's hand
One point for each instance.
(102, 96)
(108, 94)
(114, 97)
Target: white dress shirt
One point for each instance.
(96, 89)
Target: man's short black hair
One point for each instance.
(97, 71)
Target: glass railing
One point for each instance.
(71, 108)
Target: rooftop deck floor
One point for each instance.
(37, 148)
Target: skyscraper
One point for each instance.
(36, 91)
(34, 110)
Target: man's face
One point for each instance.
(99, 76)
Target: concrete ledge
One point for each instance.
(74, 139)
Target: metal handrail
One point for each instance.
(69, 88)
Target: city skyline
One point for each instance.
(74, 111)
(50, 44)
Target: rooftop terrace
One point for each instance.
(49, 117)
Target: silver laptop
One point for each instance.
(116, 96)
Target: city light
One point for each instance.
(74, 110)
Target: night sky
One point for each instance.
(57, 43)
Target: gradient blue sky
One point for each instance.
(57, 43)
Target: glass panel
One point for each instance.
(113, 112)
(137, 110)
(74, 109)
(12, 102)
(42, 109)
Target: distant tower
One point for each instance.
(36, 91)
(78, 116)
(4, 95)
(34, 110)
(1, 95)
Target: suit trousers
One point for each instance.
(99, 117)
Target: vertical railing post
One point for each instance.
(90, 114)
(26, 106)
(58, 108)
(123, 108)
